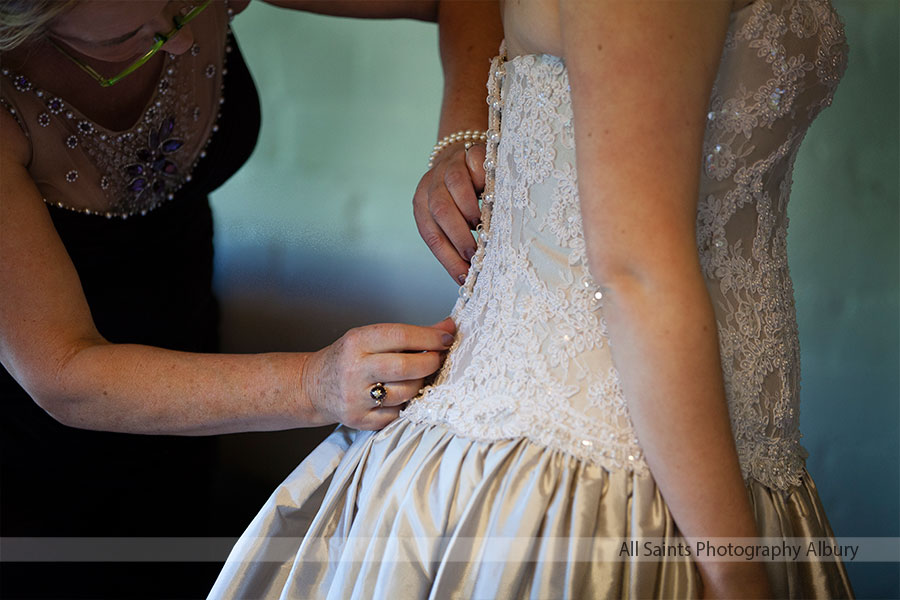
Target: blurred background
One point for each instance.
(315, 235)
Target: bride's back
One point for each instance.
(533, 356)
(533, 26)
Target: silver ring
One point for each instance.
(378, 393)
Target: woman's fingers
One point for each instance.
(378, 418)
(446, 209)
(399, 337)
(440, 245)
(395, 392)
(458, 181)
(447, 325)
(434, 236)
(451, 220)
(401, 367)
(475, 162)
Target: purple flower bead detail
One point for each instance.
(22, 84)
(55, 105)
(154, 172)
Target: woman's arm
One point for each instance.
(641, 74)
(49, 344)
(445, 204)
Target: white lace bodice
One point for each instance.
(532, 358)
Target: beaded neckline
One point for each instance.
(136, 169)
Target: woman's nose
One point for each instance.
(180, 42)
(183, 39)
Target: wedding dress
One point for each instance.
(504, 476)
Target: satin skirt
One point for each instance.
(415, 511)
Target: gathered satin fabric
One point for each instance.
(415, 511)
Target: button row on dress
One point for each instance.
(490, 169)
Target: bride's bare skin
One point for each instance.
(639, 210)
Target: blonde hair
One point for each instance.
(21, 20)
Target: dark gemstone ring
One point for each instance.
(378, 393)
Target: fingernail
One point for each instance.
(461, 278)
(468, 253)
(447, 339)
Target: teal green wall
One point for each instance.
(843, 252)
(316, 235)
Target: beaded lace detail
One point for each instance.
(87, 168)
(532, 357)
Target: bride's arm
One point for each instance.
(641, 75)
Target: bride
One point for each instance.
(627, 361)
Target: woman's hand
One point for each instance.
(445, 206)
(337, 379)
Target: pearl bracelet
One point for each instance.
(468, 136)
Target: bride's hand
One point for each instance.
(337, 379)
(445, 206)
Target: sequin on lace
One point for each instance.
(532, 355)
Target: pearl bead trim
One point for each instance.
(468, 136)
(492, 142)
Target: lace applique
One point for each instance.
(753, 133)
(531, 334)
(532, 357)
(564, 219)
(540, 106)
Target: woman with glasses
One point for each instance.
(120, 118)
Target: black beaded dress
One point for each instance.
(140, 237)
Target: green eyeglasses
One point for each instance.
(159, 40)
